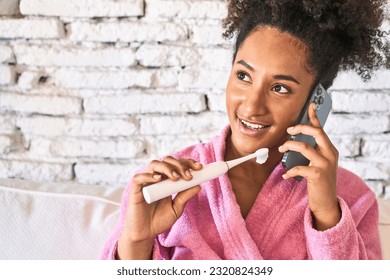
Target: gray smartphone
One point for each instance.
(323, 103)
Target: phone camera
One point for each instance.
(318, 98)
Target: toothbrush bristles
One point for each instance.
(261, 155)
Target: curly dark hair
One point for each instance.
(341, 34)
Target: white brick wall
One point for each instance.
(376, 147)
(62, 56)
(91, 90)
(31, 28)
(9, 7)
(349, 80)
(143, 103)
(38, 104)
(126, 31)
(102, 79)
(37, 171)
(7, 75)
(198, 78)
(357, 124)
(103, 173)
(82, 8)
(164, 56)
(50, 126)
(6, 54)
(185, 9)
(86, 148)
(7, 123)
(5, 144)
(363, 101)
(207, 34)
(168, 125)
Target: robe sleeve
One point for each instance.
(111, 246)
(356, 236)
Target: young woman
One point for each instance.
(283, 49)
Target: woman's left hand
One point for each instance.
(321, 173)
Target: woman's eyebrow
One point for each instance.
(286, 77)
(243, 63)
(277, 77)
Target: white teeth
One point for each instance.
(252, 125)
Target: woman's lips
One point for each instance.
(252, 125)
(251, 128)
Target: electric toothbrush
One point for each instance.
(210, 171)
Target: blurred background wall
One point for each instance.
(91, 90)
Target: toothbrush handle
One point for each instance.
(166, 188)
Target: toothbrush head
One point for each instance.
(261, 155)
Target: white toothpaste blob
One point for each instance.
(210, 171)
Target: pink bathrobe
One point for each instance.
(279, 225)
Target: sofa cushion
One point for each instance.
(55, 221)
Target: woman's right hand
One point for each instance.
(143, 221)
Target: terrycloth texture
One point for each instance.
(279, 225)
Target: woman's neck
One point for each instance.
(252, 167)
(248, 178)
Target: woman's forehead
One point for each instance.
(282, 49)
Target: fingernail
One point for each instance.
(280, 148)
(291, 128)
(174, 174)
(188, 173)
(157, 176)
(284, 176)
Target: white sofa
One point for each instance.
(72, 221)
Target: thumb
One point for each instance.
(181, 199)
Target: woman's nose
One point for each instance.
(256, 101)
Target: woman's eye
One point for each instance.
(243, 76)
(281, 89)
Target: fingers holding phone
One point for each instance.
(323, 104)
(320, 174)
(322, 155)
(310, 154)
(323, 145)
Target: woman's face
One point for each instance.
(267, 89)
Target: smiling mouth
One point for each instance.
(252, 125)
